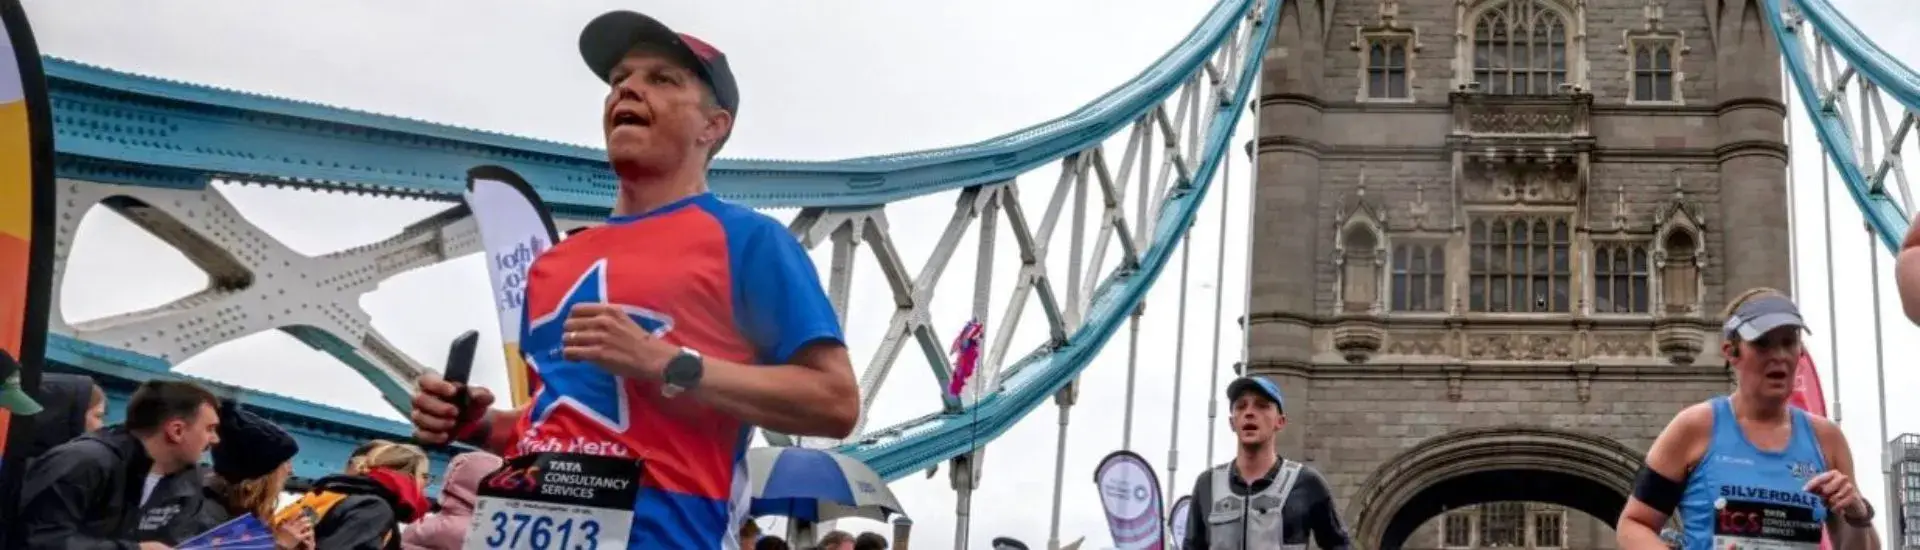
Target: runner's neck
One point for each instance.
(1254, 463)
(641, 197)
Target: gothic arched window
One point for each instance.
(1679, 273)
(1520, 47)
(1520, 265)
(1419, 277)
(1360, 276)
(1620, 277)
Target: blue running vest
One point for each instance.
(1743, 498)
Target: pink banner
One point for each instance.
(1807, 395)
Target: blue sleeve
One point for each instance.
(778, 303)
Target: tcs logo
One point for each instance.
(515, 479)
(1739, 522)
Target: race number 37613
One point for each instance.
(555, 501)
(540, 530)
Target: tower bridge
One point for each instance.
(1490, 239)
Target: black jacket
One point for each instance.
(367, 519)
(197, 515)
(85, 495)
(63, 416)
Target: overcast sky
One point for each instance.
(820, 80)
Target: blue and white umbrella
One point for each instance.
(815, 485)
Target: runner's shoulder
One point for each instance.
(740, 219)
(1310, 479)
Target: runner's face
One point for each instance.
(1766, 366)
(1256, 419)
(657, 115)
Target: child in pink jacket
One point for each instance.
(447, 529)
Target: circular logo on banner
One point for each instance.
(1126, 489)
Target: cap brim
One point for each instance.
(610, 37)
(1758, 327)
(1243, 385)
(15, 399)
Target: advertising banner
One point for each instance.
(1130, 492)
(26, 215)
(1177, 522)
(515, 228)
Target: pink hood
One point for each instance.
(447, 529)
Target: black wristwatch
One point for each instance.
(1864, 521)
(682, 373)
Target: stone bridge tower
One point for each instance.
(1523, 218)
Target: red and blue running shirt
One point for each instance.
(701, 273)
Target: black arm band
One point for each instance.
(1656, 491)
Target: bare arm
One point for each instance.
(815, 395)
(1906, 274)
(1672, 456)
(1833, 443)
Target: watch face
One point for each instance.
(683, 370)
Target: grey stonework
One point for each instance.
(1368, 388)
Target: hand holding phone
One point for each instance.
(460, 366)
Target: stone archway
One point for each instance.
(1580, 471)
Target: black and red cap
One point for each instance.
(610, 37)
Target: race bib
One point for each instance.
(1761, 525)
(556, 501)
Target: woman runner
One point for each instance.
(1746, 471)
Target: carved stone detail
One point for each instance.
(1357, 340)
(1511, 183)
(1520, 347)
(1417, 343)
(1621, 345)
(1681, 343)
(1584, 383)
(1455, 375)
(1512, 116)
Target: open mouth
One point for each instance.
(627, 116)
(1249, 428)
(1781, 374)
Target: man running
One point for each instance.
(665, 336)
(1284, 502)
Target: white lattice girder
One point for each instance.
(256, 282)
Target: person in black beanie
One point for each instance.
(251, 466)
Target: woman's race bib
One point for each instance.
(556, 501)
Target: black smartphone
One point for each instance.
(460, 366)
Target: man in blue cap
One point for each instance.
(1260, 500)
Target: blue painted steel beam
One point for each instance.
(923, 443)
(135, 124)
(1880, 210)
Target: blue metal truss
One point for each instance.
(1838, 136)
(122, 128)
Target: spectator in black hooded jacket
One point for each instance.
(363, 509)
(70, 405)
(122, 486)
(251, 467)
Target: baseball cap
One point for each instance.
(1265, 387)
(610, 37)
(13, 397)
(1758, 316)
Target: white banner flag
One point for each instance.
(1177, 521)
(1130, 492)
(515, 228)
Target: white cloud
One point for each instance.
(819, 81)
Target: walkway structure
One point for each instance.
(1124, 178)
